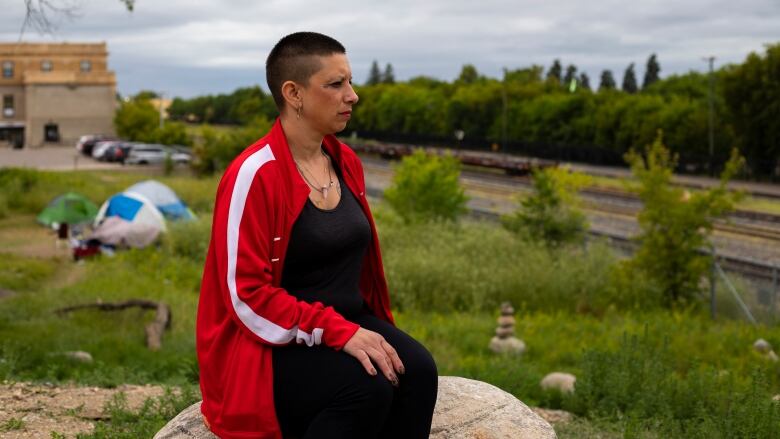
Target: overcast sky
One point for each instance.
(188, 48)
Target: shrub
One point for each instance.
(476, 266)
(675, 225)
(426, 188)
(549, 215)
(216, 149)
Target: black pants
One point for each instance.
(322, 393)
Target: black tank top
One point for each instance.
(325, 254)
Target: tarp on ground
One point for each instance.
(131, 207)
(164, 198)
(117, 231)
(68, 208)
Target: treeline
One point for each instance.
(558, 113)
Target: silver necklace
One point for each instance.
(321, 188)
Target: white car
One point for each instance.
(100, 148)
(152, 154)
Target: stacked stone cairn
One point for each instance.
(505, 341)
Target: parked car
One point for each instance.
(151, 154)
(101, 148)
(87, 142)
(119, 151)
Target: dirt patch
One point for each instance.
(68, 410)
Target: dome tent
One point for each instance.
(142, 218)
(164, 198)
(68, 208)
(133, 208)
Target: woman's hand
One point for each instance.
(368, 346)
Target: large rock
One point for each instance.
(465, 409)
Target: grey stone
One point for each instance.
(81, 356)
(465, 409)
(562, 381)
(505, 332)
(510, 345)
(506, 321)
(762, 346)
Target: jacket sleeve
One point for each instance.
(244, 219)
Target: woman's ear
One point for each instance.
(291, 92)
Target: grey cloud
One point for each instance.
(191, 48)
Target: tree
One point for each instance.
(43, 15)
(675, 224)
(374, 75)
(137, 120)
(629, 80)
(571, 75)
(607, 81)
(584, 81)
(529, 75)
(427, 188)
(752, 93)
(388, 77)
(651, 72)
(550, 215)
(554, 74)
(468, 74)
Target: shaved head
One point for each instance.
(296, 58)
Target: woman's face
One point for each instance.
(329, 96)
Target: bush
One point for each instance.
(216, 150)
(426, 188)
(675, 225)
(476, 266)
(549, 215)
(638, 381)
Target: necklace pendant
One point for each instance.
(324, 192)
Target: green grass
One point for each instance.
(12, 424)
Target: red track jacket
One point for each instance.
(243, 312)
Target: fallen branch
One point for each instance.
(154, 330)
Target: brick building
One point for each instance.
(54, 93)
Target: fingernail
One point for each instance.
(401, 370)
(394, 381)
(373, 371)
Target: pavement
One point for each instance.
(55, 158)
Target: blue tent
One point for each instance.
(164, 198)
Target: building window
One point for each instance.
(46, 65)
(86, 66)
(8, 69)
(8, 106)
(51, 132)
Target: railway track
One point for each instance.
(495, 196)
(760, 225)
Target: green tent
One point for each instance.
(68, 208)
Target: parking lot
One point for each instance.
(60, 158)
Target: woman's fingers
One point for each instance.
(364, 359)
(367, 347)
(397, 364)
(381, 359)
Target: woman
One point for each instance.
(295, 336)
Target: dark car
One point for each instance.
(118, 151)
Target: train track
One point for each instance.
(497, 188)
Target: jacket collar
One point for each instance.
(299, 188)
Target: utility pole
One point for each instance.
(160, 97)
(711, 61)
(503, 115)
